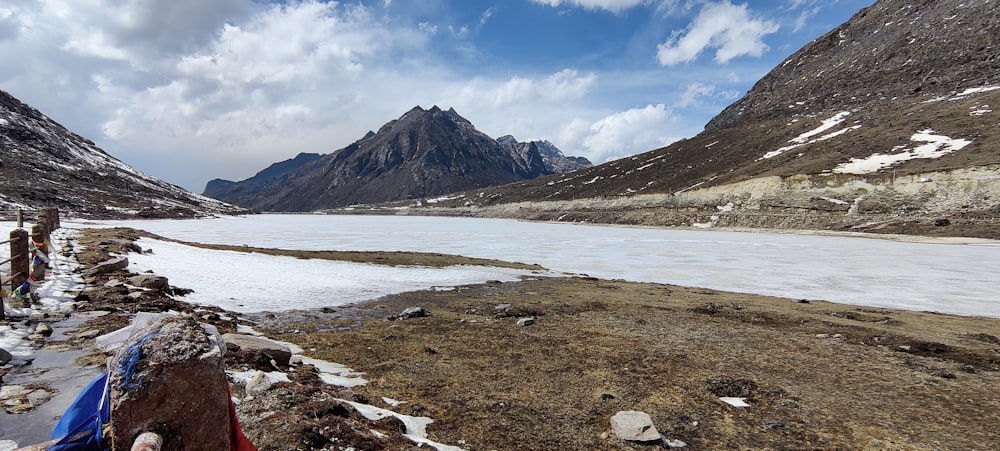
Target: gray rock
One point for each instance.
(150, 281)
(43, 329)
(114, 264)
(5, 356)
(526, 321)
(412, 312)
(278, 352)
(257, 384)
(634, 426)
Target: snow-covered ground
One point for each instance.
(949, 278)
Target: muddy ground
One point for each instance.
(817, 375)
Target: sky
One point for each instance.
(192, 90)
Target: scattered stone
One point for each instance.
(634, 426)
(114, 264)
(271, 349)
(258, 384)
(674, 443)
(526, 321)
(43, 329)
(412, 312)
(5, 356)
(503, 308)
(150, 281)
(135, 295)
(88, 334)
(112, 283)
(943, 222)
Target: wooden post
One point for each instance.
(18, 259)
(20, 218)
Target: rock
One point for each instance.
(150, 281)
(412, 312)
(88, 334)
(634, 426)
(114, 264)
(5, 356)
(675, 443)
(113, 283)
(257, 384)
(526, 321)
(943, 222)
(43, 329)
(273, 350)
(171, 375)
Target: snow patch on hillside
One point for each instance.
(807, 137)
(936, 146)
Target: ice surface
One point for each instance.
(950, 278)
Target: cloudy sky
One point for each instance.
(191, 90)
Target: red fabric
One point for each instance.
(239, 441)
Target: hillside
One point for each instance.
(423, 153)
(886, 123)
(42, 164)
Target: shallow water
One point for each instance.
(54, 369)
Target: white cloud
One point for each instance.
(729, 29)
(615, 6)
(621, 134)
(564, 85)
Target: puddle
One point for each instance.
(55, 369)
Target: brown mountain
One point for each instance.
(424, 153)
(885, 123)
(42, 164)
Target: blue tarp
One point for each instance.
(79, 429)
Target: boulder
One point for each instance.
(273, 350)
(170, 378)
(634, 426)
(150, 281)
(114, 264)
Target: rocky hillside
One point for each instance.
(885, 123)
(42, 164)
(424, 153)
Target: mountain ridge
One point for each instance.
(421, 154)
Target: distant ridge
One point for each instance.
(423, 153)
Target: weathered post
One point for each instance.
(20, 218)
(18, 259)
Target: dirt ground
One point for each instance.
(817, 375)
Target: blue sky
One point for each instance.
(190, 90)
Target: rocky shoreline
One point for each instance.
(814, 374)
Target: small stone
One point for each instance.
(88, 334)
(136, 295)
(5, 356)
(150, 281)
(526, 321)
(43, 329)
(412, 312)
(675, 443)
(634, 426)
(259, 383)
(278, 352)
(113, 283)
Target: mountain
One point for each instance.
(244, 193)
(423, 153)
(553, 159)
(886, 123)
(42, 164)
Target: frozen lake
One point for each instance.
(952, 278)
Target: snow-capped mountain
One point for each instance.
(888, 121)
(42, 164)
